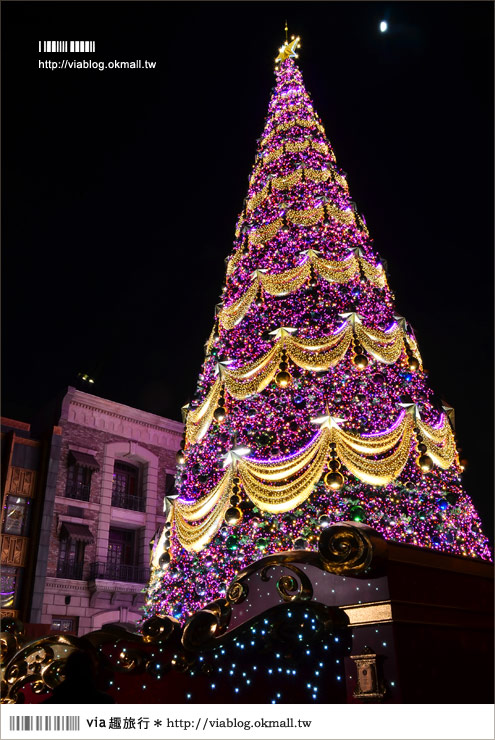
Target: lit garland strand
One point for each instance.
(278, 486)
(291, 280)
(286, 182)
(198, 420)
(303, 217)
(309, 354)
(196, 536)
(296, 122)
(293, 147)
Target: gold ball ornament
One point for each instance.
(360, 361)
(164, 561)
(220, 414)
(413, 363)
(283, 379)
(335, 481)
(233, 515)
(180, 458)
(425, 463)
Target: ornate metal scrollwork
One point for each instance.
(11, 637)
(237, 592)
(290, 588)
(37, 664)
(204, 626)
(160, 629)
(347, 548)
(350, 549)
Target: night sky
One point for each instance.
(121, 188)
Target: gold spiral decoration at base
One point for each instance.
(291, 588)
(237, 592)
(345, 549)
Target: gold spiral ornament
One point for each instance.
(345, 549)
(295, 587)
(237, 592)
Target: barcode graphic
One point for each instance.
(59, 723)
(61, 46)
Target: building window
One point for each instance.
(71, 558)
(65, 624)
(126, 491)
(16, 516)
(78, 482)
(10, 586)
(122, 562)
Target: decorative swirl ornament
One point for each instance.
(350, 548)
(237, 592)
(160, 629)
(290, 588)
(206, 625)
(39, 664)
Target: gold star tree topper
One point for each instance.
(288, 50)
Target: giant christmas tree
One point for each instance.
(312, 405)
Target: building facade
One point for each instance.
(108, 471)
(22, 486)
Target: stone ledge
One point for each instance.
(66, 584)
(127, 413)
(123, 587)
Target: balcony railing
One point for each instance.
(127, 501)
(79, 491)
(119, 572)
(70, 570)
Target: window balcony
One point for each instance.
(123, 500)
(119, 572)
(79, 491)
(70, 570)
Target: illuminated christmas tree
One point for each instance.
(312, 405)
